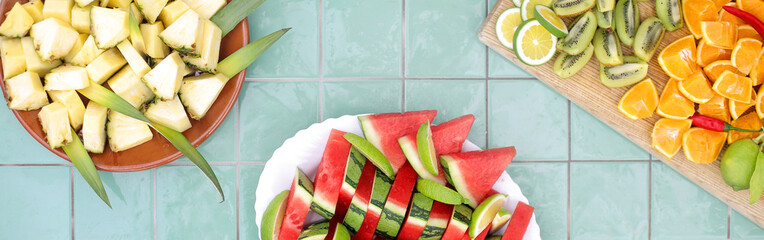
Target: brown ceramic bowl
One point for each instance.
(158, 151)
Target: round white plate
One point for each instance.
(305, 149)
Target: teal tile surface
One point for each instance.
(188, 206)
(675, 204)
(743, 229)
(271, 112)
(296, 53)
(221, 145)
(500, 67)
(593, 140)
(433, 47)
(530, 116)
(367, 32)
(357, 97)
(464, 97)
(608, 200)
(548, 196)
(249, 175)
(17, 146)
(131, 215)
(36, 203)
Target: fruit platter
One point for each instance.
(681, 79)
(391, 176)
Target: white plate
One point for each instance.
(305, 149)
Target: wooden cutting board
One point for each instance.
(586, 91)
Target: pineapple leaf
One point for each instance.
(233, 12)
(240, 59)
(81, 160)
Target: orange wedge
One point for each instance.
(748, 121)
(697, 11)
(746, 31)
(719, 34)
(673, 104)
(701, 145)
(722, 3)
(738, 108)
(755, 7)
(696, 88)
(678, 58)
(715, 69)
(733, 86)
(716, 108)
(757, 72)
(640, 101)
(667, 135)
(745, 54)
(759, 105)
(708, 54)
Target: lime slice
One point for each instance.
(550, 21)
(438, 192)
(371, 153)
(506, 26)
(502, 217)
(534, 45)
(526, 9)
(426, 148)
(484, 213)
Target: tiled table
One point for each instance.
(349, 57)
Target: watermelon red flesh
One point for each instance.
(354, 168)
(298, 206)
(438, 221)
(383, 131)
(474, 173)
(330, 174)
(361, 197)
(459, 223)
(416, 220)
(518, 223)
(377, 201)
(394, 212)
(480, 236)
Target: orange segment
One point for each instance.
(733, 86)
(745, 54)
(760, 103)
(667, 135)
(719, 34)
(716, 108)
(678, 58)
(701, 145)
(640, 101)
(748, 121)
(755, 7)
(715, 69)
(738, 108)
(708, 54)
(673, 104)
(696, 88)
(757, 72)
(722, 3)
(746, 31)
(697, 11)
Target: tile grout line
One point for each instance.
(236, 158)
(154, 199)
(649, 200)
(570, 156)
(71, 192)
(309, 79)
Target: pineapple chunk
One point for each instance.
(55, 124)
(73, 103)
(134, 59)
(87, 53)
(169, 113)
(108, 26)
(208, 47)
(154, 46)
(125, 132)
(17, 23)
(129, 86)
(94, 127)
(200, 92)
(151, 8)
(25, 92)
(173, 11)
(67, 78)
(81, 19)
(77, 47)
(59, 9)
(136, 12)
(164, 80)
(12, 55)
(83, 3)
(105, 65)
(181, 35)
(34, 63)
(121, 4)
(34, 9)
(206, 8)
(187, 70)
(53, 38)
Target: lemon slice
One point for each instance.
(484, 213)
(534, 45)
(527, 8)
(506, 26)
(551, 21)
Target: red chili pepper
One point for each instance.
(747, 17)
(714, 124)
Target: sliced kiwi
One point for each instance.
(670, 13)
(605, 5)
(607, 48)
(566, 65)
(604, 19)
(649, 36)
(631, 71)
(570, 8)
(626, 19)
(580, 34)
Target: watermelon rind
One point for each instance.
(438, 192)
(273, 216)
(359, 204)
(416, 219)
(317, 231)
(390, 221)
(354, 216)
(394, 212)
(459, 223)
(379, 193)
(353, 170)
(408, 145)
(340, 232)
(301, 195)
(371, 153)
(436, 225)
(330, 174)
(426, 148)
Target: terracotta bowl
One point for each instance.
(158, 151)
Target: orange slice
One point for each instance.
(696, 88)
(697, 11)
(738, 108)
(701, 145)
(719, 34)
(748, 121)
(759, 105)
(678, 58)
(640, 101)
(755, 7)
(673, 104)
(745, 54)
(722, 3)
(746, 31)
(733, 86)
(715, 69)
(757, 72)
(717, 108)
(708, 54)
(667, 135)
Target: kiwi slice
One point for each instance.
(607, 48)
(566, 65)
(570, 8)
(604, 19)
(631, 71)
(649, 36)
(670, 13)
(580, 34)
(626, 18)
(605, 5)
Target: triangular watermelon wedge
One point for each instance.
(298, 206)
(383, 131)
(329, 176)
(474, 173)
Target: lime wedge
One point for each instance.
(273, 216)
(371, 153)
(506, 26)
(534, 45)
(551, 21)
(484, 213)
(502, 217)
(426, 148)
(438, 192)
(527, 8)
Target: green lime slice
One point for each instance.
(438, 192)
(371, 153)
(550, 21)
(502, 217)
(534, 45)
(506, 26)
(426, 148)
(273, 216)
(526, 8)
(484, 213)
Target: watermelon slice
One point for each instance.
(357, 210)
(480, 236)
(379, 193)
(354, 167)
(416, 220)
(438, 221)
(519, 222)
(448, 138)
(394, 212)
(460, 221)
(383, 131)
(273, 217)
(329, 175)
(474, 173)
(298, 205)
